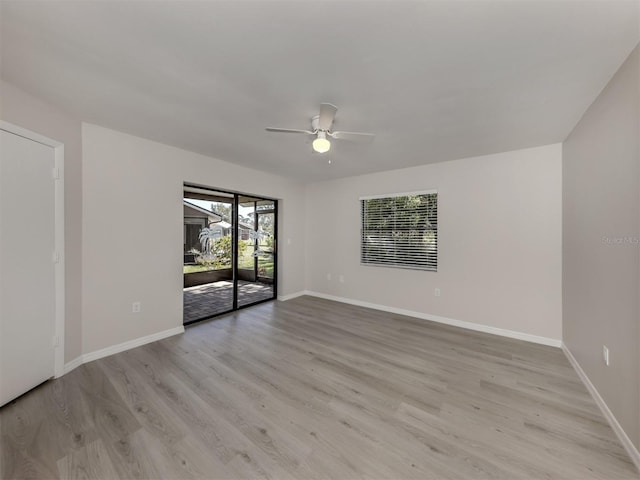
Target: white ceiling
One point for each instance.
(435, 80)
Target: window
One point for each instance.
(400, 230)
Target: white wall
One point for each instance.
(124, 195)
(499, 241)
(601, 251)
(132, 231)
(27, 111)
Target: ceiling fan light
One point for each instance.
(321, 144)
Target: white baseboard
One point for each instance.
(608, 414)
(72, 365)
(121, 347)
(552, 342)
(128, 345)
(284, 298)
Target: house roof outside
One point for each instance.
(215, 218)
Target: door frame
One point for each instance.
(58, 256)
(234, 195)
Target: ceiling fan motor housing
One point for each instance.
(315, 121)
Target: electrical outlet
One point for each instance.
(341, 278)
(329, 276)
(437, 292)
(605, 355)
(136, 307)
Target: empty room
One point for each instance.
(336, 239)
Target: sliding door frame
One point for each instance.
(235, 240)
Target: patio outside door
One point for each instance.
(229, 252)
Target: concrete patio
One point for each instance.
(214, 298)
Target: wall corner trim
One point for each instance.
(527, 337)
(121, 347)
(608, 414)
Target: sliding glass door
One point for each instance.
(256, 249)
(229, 251)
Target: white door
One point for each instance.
(27, 271)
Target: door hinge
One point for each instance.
(55, 257)
(56, 173)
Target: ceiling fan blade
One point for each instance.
(287, 130)
(353, 136)
(327, 114)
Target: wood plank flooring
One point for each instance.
(313, 389)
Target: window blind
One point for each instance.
(400, 230)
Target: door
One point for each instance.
(27, 269)
(229, 251)
(208, 253)
(257, 220)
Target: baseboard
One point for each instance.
(72, 365)
(121, 347)
(608, 414)
(552, 342)
(291, 296)
(136, 342)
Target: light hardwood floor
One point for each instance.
(312, 389)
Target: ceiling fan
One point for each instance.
(321, 128)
